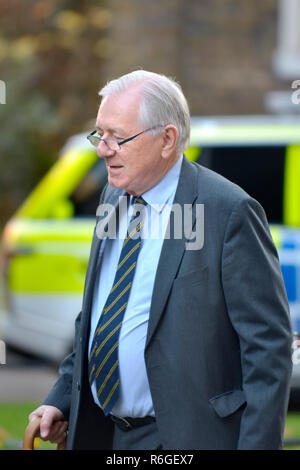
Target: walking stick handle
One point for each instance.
(32, 431)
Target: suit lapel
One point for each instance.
(172, 249)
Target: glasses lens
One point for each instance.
(113, 144)
(94, 140)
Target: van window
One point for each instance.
(85, 197)
(257, 169)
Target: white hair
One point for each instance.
(163, 102)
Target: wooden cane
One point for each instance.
(32, 431)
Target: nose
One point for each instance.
(104, 151)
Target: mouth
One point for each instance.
(114, 168)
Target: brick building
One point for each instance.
(221, 51)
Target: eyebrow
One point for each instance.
(116, 130)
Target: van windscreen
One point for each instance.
(258, 170)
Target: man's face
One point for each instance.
(138, 165)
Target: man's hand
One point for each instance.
(53, 424)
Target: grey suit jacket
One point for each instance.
(218, 350)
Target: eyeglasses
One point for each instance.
(114, 144)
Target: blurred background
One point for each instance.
(232, 58)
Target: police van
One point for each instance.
(45, 246)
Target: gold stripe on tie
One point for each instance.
(101, 328)
(129, 254)
(107, 338)
(117, 298)
(91, 373)
(140, 200)
(111, 393)
(136, 229)
(107, 377)
(133, 232)
(106, 357)
(93, 350)
(123, 277)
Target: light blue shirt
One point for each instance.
(135, 397)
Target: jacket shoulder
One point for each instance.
(215, 188)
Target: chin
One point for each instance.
(113, 182)
(116, 184)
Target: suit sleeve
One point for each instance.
(60, 394)
(258, 309)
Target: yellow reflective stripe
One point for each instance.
(276, 233)
(291, 188)
(24, 277)
(193, 153)
(58, 183)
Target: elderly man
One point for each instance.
(176, 347)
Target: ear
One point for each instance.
(170, 138)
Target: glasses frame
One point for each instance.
(115, 140)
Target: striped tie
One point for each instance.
(103, 359)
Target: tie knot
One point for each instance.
(138, 207)
(139, 200)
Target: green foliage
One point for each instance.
(14, 419)
(51, 56)
(13, 422)
(292, 431)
